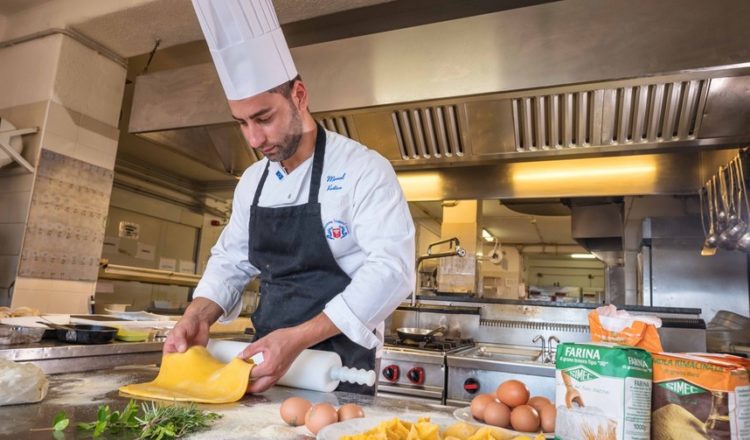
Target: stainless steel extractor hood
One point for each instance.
(568, 79)
(597, 225)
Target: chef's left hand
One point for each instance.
(280, 349)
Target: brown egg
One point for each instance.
(497, 414)
(539, 402)
(513, 393)
(479, 403)
(319, 416)
(350, 411)
(548, 416)
(524, 418)
(293, 410)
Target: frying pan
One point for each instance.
(84, 334)
(417, 334)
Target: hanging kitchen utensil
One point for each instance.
(417, 334)
(709, 244)
(723, 226)
(743, 242)
(737, 226)
(712, 239)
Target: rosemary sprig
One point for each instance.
(160, 422)
(157, 422)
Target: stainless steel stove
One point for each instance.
(483, 368)
(417, 371)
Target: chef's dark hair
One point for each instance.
(286, 88)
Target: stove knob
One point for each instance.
(391, 373)
(471, 385)
(416, 375)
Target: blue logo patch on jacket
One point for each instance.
(279, 174)
(336, 230)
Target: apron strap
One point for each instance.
(260, 185)
(317, 170)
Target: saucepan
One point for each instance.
(417, 334)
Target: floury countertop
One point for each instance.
(254, 417)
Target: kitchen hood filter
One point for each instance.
(606, 117)
(429, 132)
(337, 124)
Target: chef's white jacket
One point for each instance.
(358, 189)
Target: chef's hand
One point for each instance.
(192, 328)
(281, 347)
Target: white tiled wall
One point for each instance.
(74, 96)
(15, 193)
(89, 83)
(27, 71)
(76, 135)
(53, 296)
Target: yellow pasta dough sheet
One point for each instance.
(195, 376)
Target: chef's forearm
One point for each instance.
(315, 330)
(204, 310)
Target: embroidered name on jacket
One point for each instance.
(336, 230)
(331, 179)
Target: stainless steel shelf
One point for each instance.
(59, 357)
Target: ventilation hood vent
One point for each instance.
(501, 87)
(614, 116)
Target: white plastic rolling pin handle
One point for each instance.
(354, 375)
(312, 370)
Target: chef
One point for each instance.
(321, 219)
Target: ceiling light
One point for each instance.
(487, 235)
(583, 256)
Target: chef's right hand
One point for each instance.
(192, 328)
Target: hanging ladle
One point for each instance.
(722, 216)
(736, 225)
(743, 243)
(709, 245)
(712, 240)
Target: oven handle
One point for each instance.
(437, 394)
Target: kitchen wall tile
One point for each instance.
(29, 115)
(8, 269)
(11, 236)
(96, 134)
(105, 101)
(75, 75)
(14, 206)
(96, 156)
(16, 183)
(60, 144)
(51, 296)
(30, 70)
(63, 121)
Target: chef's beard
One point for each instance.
(289, 145)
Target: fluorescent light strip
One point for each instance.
(556, 175)
(583, 256)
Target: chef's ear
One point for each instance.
(299, 94)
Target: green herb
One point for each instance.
(161, 422)
(157, 422)
(60, 422)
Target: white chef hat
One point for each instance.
(247, 45)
